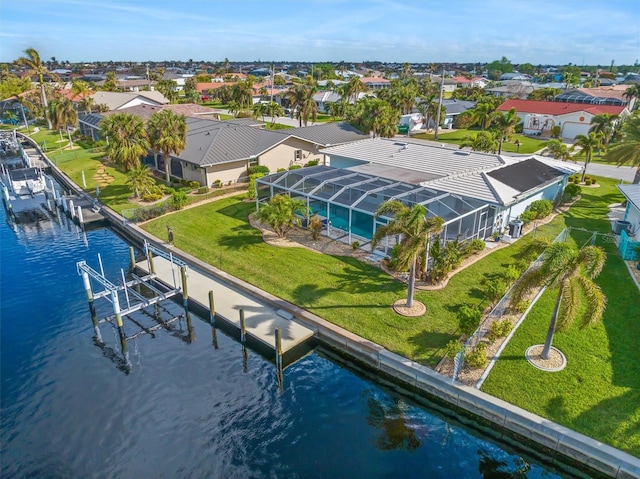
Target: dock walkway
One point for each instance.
(261, 319)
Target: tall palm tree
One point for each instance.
(626, 151)
(416, 230)
(481, 115)
(87, 103)
(604, 124)
(80, 89)
(139, 178)
(309, 107)
(243, 93)
(35, 67)
(632, 92)
(168, 135)
(505, 124)
(64, 116)
(558, 150)
(572, 271)
(353, 88)
(127, 139)
(588, 144)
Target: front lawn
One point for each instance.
(527, 144)
(598, 394)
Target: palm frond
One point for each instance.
(569, 304)
(596, 302)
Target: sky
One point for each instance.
(556, 32)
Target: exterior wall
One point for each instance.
(341, 162)
(632, 215)
(549, 193)
(191, 172)
(233, 172)
(573, 124)
(137, 101)
(284, 154)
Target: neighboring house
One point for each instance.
(223, 150)
(512, 89)
(324, 98)
(375, 83)
(503, 186)
(632, 213)
(612, 95)
(539, 117)
(120, 100)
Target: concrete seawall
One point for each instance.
(557, 440)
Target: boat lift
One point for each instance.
(128, 292)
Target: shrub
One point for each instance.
(315, 226)
(527, 216)
(521, 306)
(194, 184)
(469, 318)
(452, 348)
(178, 200)
(495, 289)
(576, 180)
(588, 182)
(571, 191)
(251, 189)
(512, 273)
(478, 357)
(151, 196)
(312, 163)
(542, 208)
(475, 246)
(445, 258)
(281, 170)
(393, 256)
(252, 170)
(355, 245)
(500, 329)
(295, 167)
(202, 190)
(555, 131)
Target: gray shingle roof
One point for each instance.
(328, 134)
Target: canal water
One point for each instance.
(187, 409)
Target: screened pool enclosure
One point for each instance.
(346, 201)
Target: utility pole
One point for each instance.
(435, 135)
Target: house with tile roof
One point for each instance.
(539, 117)
(507, 185)
(119, 100)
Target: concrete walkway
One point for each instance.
(260, 318)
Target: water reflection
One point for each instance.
(390, 418)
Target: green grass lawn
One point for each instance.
(598, 393)
(527, 144)
(342, 290)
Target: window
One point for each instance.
(253, 161)
(298, 155)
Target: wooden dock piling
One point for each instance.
(92, 306)
(132, 258)
(185, 290)
(243, 327)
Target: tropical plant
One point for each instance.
(504, 124)
(477, 358)
(626, 151)
(252, 191)
(469, 318)
(415, 230)
(542, 208)
(374, 115)
(178, 199)
(63, 116)
(482, 141)
(632, 92)
(169, 88)
(481, 115)
(139, 178)
(281, 213)
(588, 144)
(35, 67)
(572, 271)
(557, 149)
(167, 135)
(604, 124)
(315, 226)
(126, 137)
(80, 90)
(571, 192)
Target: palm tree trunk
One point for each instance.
(411, 284)
(552, 328)
(167, 168)
(45, 104)
(586, 162)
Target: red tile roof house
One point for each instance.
(539, 117)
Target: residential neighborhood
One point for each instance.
(242, 263)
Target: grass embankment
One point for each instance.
(527, 144)
(598, 393)
(342, 290)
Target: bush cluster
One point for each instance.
(311, 163)
(252, 170)
(500, 329)
(452, 348)
(571, 192)
(478, 357)
(469, 318)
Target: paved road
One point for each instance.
(626, 173)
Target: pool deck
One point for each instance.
(261, 319)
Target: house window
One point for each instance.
(298, 155)
(253, 161)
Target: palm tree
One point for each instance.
(127, 139)
(87, 103)
(309, 107)
(415, 228)
(604, 124)
(505, 124)
(626, 151)
(483, 141)
(558, 150)
(481, 115)
(168, 135)
(139, 178)
(81, 89)
(588, 144)
(64, 116)
(35, 67)
(631, 93)
(573, 272)
(274, 110)
(243, 93)
(281, 213)
(353, 88)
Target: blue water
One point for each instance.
(189, 410)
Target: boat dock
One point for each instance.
(260, 319)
